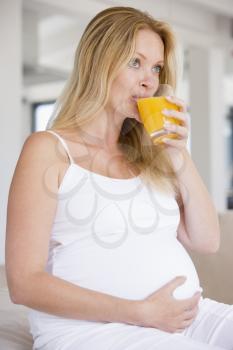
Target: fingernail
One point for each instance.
(166, 111)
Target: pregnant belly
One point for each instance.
(133, 271)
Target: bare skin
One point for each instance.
(160, 310)
(98, 139)
(33, 202)
(94, 158)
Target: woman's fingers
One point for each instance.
(181, 116)
(178, 144)
(188, 319)
(191, 304)
(178, 102)
(181, 131)
(183, 326)
(190, 315)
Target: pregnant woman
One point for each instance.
(99, 217)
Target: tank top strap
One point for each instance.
(63, 144)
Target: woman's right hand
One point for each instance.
(161, 310)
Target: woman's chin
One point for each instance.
(137, 118)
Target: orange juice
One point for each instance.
(150, 110)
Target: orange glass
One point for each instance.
(150, 111)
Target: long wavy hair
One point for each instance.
(106, 45)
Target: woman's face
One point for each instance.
(139, 78)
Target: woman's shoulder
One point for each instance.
(41, 143)
(39, 139)
(40, 150)
(38, 164)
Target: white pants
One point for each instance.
(212, 329)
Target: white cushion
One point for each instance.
(14, 327)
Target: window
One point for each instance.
(41, 115)
(230, 158)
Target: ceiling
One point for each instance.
(52, 29)
(75, 7)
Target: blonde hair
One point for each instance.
(106, 45)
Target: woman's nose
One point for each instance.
(149, 81)
(147, 84)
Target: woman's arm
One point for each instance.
(199, 226)
(31, 209)
(32, 206)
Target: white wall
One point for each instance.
(10, 101)
(193, 25)
(207, 114)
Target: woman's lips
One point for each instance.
(136, 113)
(135, 98)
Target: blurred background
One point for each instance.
(38, 39)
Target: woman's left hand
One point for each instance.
(182, 130)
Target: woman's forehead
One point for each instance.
(149, 44)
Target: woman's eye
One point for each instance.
(157, 69)
(134, 63)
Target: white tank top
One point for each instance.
(117, 236)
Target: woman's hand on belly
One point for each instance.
(161, 310)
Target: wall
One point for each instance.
(10, 101)
(204, 31)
